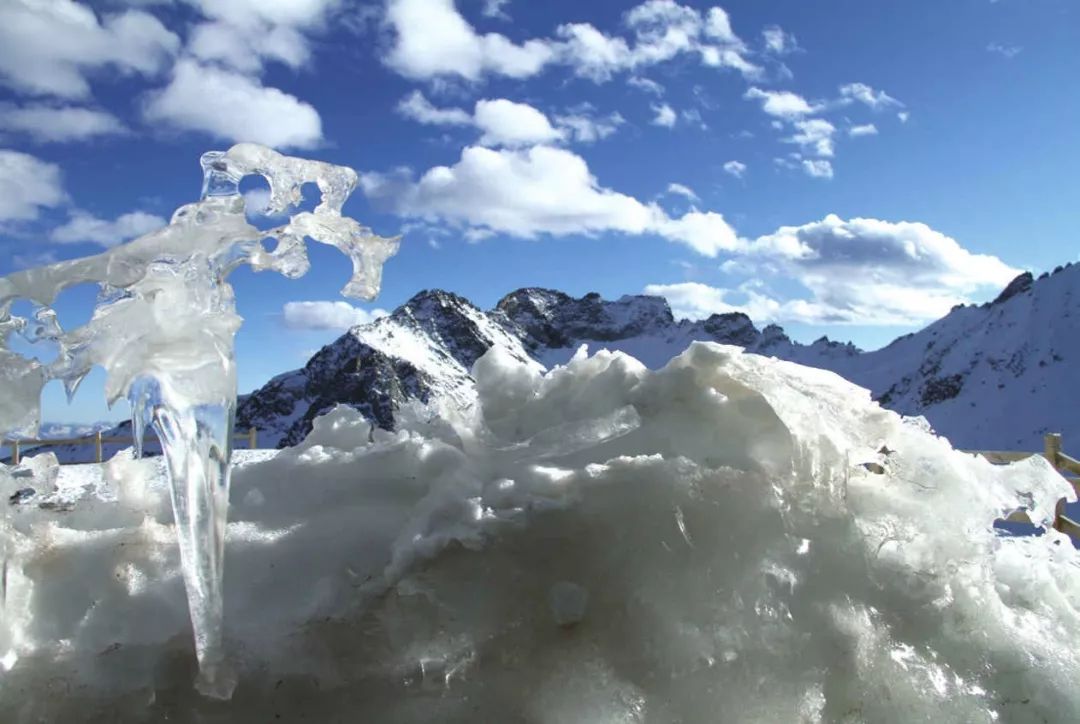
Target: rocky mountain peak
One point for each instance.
(1019, 285)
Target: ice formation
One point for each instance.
(730, 538)
(164, 329)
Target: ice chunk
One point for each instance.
(163, 329)
(739, 561)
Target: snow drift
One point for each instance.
(730, 538)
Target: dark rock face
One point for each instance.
(732, 328)
(939, 389)
(547, 318)
(1019, 285)
(346, 372)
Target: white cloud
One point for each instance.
(58, 123)
(665, 116)
(432, 39)
(506, 123)
(681, 190)
(814, 135)
(735, 168)
(494, 9)
(533, 192)
(327, 315)
(1006, 51)
(421, 110)
(246, 49)
(646, 84)
(857, 271)
(903, 116)
(233, 107)
(868, 129)
(777, 41)
(817, 168)
(243, 34)
(84, 227)
(51, 46)
(583, 126)
(27, 185)
(781, 104)
(877, 100)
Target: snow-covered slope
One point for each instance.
(995, 376)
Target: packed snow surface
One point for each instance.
(729, 538)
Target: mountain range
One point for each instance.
(992, 376)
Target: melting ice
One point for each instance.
(598, 543)
(164, 330)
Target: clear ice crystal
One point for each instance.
(164, 330)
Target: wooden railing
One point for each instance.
(99, 441)
(1067, 465)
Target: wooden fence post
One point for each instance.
(1052, 447)
(253, 438)
(97, 446)
(14, 452)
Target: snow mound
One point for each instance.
(730, 537)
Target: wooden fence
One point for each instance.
(1068, 466)
(99, 441)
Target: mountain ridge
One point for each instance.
(988, 376)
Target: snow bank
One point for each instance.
(728, 538)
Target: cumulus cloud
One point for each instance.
(665, 116)
(50, 46)
(432, 39)
(420, 109)
(584, 126)
(777, 41)
(868, 129)
(856, 271)
(814, 136)
(336, 315)
(27, 185)
(735, 168)
(681, 190)
(45, 123)
(234, 107)
(817, 168)
(646, 84)
(536, 191)
(781, 104)
(506, 123)
(1005, 51)
(874, 99)
(84, 227)
(494, 9)
(502, 122)
(245, 34)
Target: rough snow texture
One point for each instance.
(601, 544)
(987, 377)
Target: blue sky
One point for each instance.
(841, 167)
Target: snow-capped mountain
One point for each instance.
(992, 376)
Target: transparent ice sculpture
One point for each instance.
(164, 330)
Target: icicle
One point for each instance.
(164, 330)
